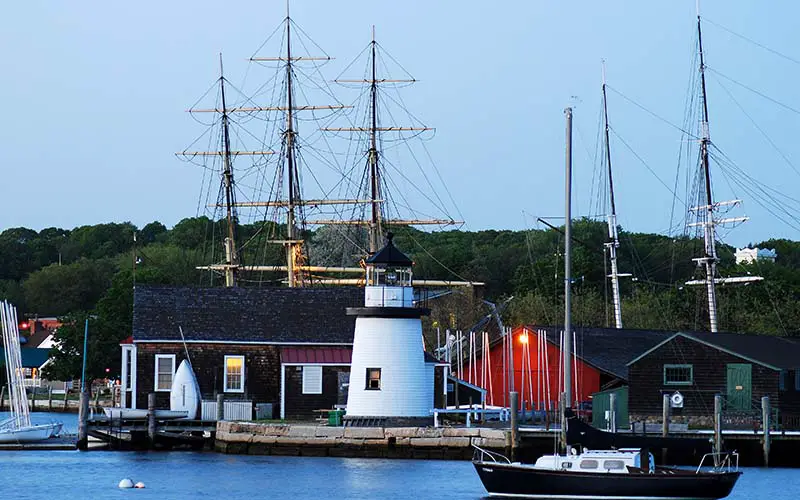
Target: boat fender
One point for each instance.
(139, 485)
(126, 483)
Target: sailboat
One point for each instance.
(627, 473)
(18, 428)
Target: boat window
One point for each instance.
(373, 379)
(312, 380)
(234, 374)
(678, 374)
(165, 369)
(589, 464)
(613, 465)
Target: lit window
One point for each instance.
(312, 380)
(373, 379)
(678, 374)
(589, 464)
(234, 374)
(165, 369)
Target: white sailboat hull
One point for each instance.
(185, 392)
(29, 434)
(131, 414)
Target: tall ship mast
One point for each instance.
(706, 208)
(373, 136)
(613, 234)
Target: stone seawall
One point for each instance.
(391, 442)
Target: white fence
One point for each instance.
(232, 410)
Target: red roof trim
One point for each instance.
(317, 356)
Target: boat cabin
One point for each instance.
(600, 461)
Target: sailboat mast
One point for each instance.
(567, 343)
(375, 219)
(289, 134)
(710, 258)
(613, 235)
(231, 257)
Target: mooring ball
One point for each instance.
(139, 485)
(126, 483)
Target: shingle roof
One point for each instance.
(290, 315)
(390, 255)
(608, 349)
(781, 353)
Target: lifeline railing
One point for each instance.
(723, 462)
(481, 455)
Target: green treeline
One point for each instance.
(89, 272)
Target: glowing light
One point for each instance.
(523, 338)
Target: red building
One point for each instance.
(600, 358)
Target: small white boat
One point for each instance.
(132, 414)
(28, 434)
(18, 428)
(185, 392)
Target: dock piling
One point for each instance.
(717, 427)
(612, 414)
(765, 422)
(151, 418)
(514, 400)
(83, 417)
(66, 399)
(665, 406)
(50, 399)
(220, 407)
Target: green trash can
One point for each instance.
(335, 418)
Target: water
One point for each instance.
(189, 475)
(72, 475)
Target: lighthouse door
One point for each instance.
(344, 384)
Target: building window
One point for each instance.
(234, 374)
(373, 379)
(312, 380)
(165, 369)
(678, 374)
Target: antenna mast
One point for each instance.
(613, 244)
(231, 255)
(567, 344)
(294, 247)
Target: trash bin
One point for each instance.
(335, 417)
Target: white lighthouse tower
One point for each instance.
(390, 383)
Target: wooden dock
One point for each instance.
(124, 434)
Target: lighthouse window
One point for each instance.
(373, 379)
(234, 374)
(165, 369)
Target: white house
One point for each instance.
(750, 255)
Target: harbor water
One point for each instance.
(73, 475)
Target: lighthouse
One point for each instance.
(390, 382)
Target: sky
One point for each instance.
(95, 92)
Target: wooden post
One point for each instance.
(514, 397)
(50, 399)
(151, 418)
(33, 398)
(717, 427)
(563, 419)
(665, 406)
(83, 425)
(220, 407)
(66, 398)
(765, 420)
(97, 399)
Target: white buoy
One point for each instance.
(139, 485)
(126, 483)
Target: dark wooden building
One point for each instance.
(696, 366)
(286, 348)
(237, 339)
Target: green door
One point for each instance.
(739, 381)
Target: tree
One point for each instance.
(57, 290)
